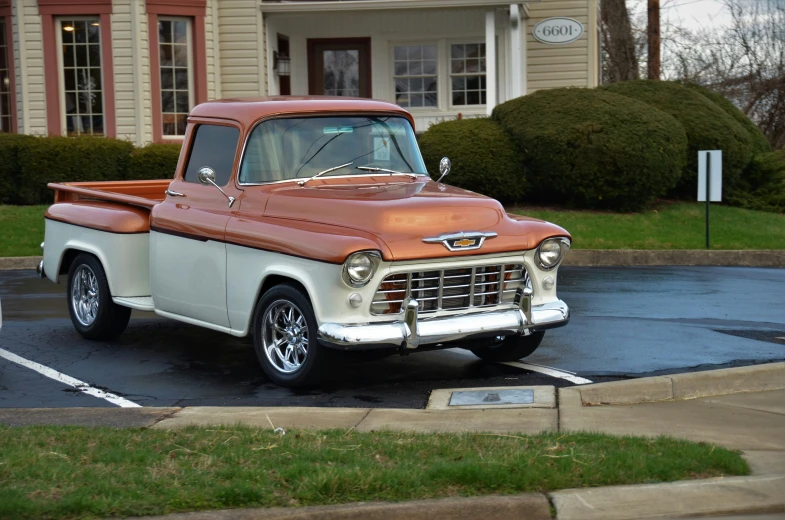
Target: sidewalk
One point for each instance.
(738, 408)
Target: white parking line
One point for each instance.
(68, 380)
(572, 378)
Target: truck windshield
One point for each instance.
(295, 148)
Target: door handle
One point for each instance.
(174, 193)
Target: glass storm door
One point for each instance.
(340, 67)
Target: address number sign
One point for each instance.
(558, 30)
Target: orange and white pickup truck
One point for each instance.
(310, 224)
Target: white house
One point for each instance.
(132, 69)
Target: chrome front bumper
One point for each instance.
(412, 332)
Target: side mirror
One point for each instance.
(206, 175)
(444, 168)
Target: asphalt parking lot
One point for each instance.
(626, 322)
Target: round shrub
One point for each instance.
(590, 148)
(68, 159)
(707, 125)
(154, 161)
(759, 142)
(9, 166)
(484, 158)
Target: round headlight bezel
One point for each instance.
(563, 244)
(349, 270)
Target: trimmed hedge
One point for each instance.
(764, 184)
(759, 142)
(154, 161)
(484, 158)
(590, 148)
(9, 165)
(61, 159)
(707, 125)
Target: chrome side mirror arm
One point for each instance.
(206, 175)
(444, 168)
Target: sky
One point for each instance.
(690, 14)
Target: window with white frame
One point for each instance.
(176, 73)
(6, 68)
(415, 75)
(467, 73)
(81, 82)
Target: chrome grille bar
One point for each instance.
(447, 289)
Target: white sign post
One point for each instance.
(709, 181)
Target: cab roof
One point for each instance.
(247, 111)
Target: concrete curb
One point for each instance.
(11, 263)
(666, 257)
(532, 506)
(714, 497)
(594, 258)
(756, 378)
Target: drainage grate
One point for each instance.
(491, 397)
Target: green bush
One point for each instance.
(9, 165)
(707, 125)
(154, 161)
(68, 159)
(590, 148)
(484, 158)
(764, 184)
(759, 142)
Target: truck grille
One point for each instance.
(451, 289)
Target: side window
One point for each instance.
(213, 146)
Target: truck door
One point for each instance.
(187, 249)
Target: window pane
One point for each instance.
(415, 52)
(457, 66)
(429, 67)
(457, 51)
(415, 68)
(181, 79)
(181, 102)
(429, 52)
(82, 83)
(180, 34)
(181, 56)
(167, 79)
(400, 53)
(458, 98)
(166, 55)
(400, 68)
(167, 101)
(164, 31)
(213, 146)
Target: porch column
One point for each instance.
(515, 52)
(490, 61)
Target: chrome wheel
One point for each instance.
(285, 336)
(85, 295)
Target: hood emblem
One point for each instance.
(462, 241)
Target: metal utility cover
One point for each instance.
(491, 397)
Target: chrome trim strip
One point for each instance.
(411, 331)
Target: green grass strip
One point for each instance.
(671, 226)
(73, 472)
(21, 230)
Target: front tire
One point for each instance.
(511, 348)
(284, 338)
(94, 315)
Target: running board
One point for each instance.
(140, 303)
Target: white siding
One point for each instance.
(551, 66)
(212, 33)
(240, 35)
(31, 76)
(126, 114)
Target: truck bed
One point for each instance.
(136, 193)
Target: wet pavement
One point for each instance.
(626, 322)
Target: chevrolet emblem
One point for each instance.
(461, 241)
(464, 243)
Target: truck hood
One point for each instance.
(402, 214)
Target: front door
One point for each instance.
(339, 67)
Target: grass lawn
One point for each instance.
(70, 472)
(21, 230)
(679, 225)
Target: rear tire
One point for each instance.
(94, 315)
(284, 338)
(511, 348)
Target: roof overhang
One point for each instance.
(298, 6)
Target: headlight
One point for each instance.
(551, 252)
(359, 268)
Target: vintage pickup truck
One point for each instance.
(310, 224)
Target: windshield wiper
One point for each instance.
(411, 175)
(328, 170)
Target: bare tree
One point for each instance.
(745, 61)
(620, 62)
